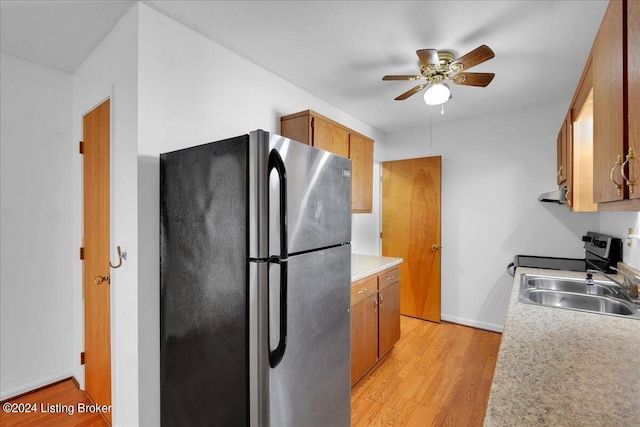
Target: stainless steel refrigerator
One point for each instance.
(255, 264)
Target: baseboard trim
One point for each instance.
(473, 323)
(35, 386)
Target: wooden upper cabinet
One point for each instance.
(328, 137)
(563, 165)
(361, 155)
(608, 106)
(321, 132)
(633, 98)
(615, 108)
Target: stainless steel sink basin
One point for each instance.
(601, 297)
(569, 285)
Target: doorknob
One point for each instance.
(435, 247)
(100, 279)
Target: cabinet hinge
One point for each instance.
(81, 147)
(82, 358)
(81, 253)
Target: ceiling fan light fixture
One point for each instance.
(437, 93)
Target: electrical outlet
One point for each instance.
(630, 240)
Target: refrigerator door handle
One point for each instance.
(275, 162)
(276, 355)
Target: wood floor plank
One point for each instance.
(436, 375)
(56, 405)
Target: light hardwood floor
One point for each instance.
(436, 375)
(64, 393)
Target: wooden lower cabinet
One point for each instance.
(364, 337)
(388, 317)
(375, 320)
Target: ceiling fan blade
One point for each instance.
(475, 57)
(410, 92)
(428, 56)
(473, 79)
(402, 77)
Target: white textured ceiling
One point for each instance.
(339, 50)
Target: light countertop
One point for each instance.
(366, 265)
(560, 367)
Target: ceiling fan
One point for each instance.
(437, 66)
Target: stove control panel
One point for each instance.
(602, 249)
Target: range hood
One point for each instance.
(559, 196)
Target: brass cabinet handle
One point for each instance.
(381, 300)
(630, 183)
(435, 247)
(375, 304)
(364, 291)
(568, 197)
(560, 177)
(615, 183)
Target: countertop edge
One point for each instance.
(368, 265)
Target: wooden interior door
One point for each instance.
(411, 230)
(96, 270)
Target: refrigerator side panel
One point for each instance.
(318, 197)
(311, 386)
(203, 285)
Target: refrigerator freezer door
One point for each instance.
(311, 385)
(318, 197)
(203, 285)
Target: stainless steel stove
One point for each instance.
(601, 252)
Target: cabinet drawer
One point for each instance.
(388, 277)
(363, 290)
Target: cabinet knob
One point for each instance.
(435, 247)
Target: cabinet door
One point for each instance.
(329, 137)
(562, 154)
(296, 126)
(364, 336)
(633, 98)
(389, 317)
(361, 155)
(608, 107)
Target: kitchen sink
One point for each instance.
(601, 297)
(568, 285)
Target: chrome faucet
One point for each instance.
(629, 283)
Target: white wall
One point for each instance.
(37, 152)
(111, 71)
(191, 91)
(493, 169)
